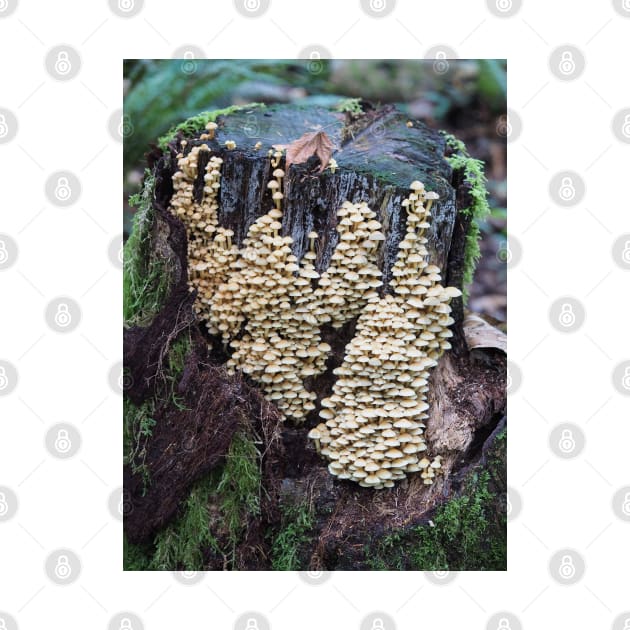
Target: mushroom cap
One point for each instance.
(315, 434)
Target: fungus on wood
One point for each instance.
(332, 282)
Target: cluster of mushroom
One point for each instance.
(267, 305)
(352, 278)
(281, 344)
(374, 421)
(269, 308)
(210, 248)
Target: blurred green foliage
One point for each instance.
(162, 93)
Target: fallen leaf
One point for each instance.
(311, 143)
(481, 334)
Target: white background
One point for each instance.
(566, 125)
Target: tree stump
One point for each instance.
(186, 416)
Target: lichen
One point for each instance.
(479, 209)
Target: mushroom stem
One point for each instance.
(317, 447)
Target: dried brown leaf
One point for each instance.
(311, 143)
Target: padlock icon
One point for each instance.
(4, 254)
(378, 5)
(4, 128)
(567, 316)
(4, 379)
(625, 128)
(625, 381)
(625, 506)
(4, 506)
(63, 192)
(125, 128)
(63, 443)
(504, 128)
(567, 442)
(3, 623)
(63, 570)
(567, 568)
(505, 253)
(126, 5)
(125, 381)
(567, 63)
(504, 624)
(440, 65)
(315, 65)
(626, 624)
(377, 624)
(252, 5)
(504, 5)
(252, 624)
(567, 189)
(625, 254)
(62, 63)
(125, 624)
(189, 66)
(625, 5)
(63, 318)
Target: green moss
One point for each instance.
(181, 545)
(468, 533)
(175, 361)
(297, 522)
(350, 105)
(239, 487)
(136, 557)
(146, 277)
(478, 210)
(138, 423)
(195, 124)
